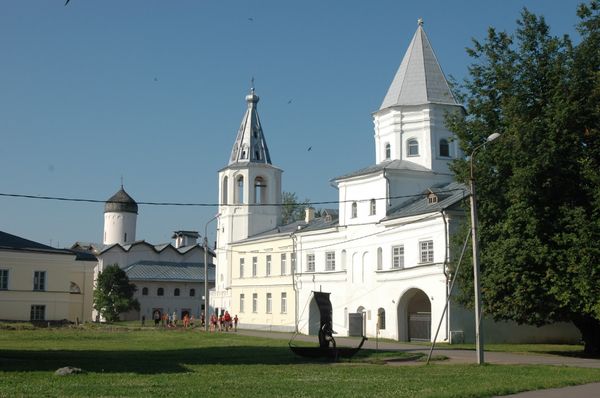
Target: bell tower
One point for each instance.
(249, 190)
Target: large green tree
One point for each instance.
(114, 293)
(538, 186)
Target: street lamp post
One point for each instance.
(206, 271)
(476, 282)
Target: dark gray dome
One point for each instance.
(121, 202)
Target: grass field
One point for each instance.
(129, 362)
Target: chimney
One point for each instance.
(185, 238)
(309, 214)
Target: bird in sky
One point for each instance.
(250, 19)
(67, 2)
(156, 79)
(289, 102)
(309, 149)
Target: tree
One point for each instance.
(292, 209)
(538, 187)
(114, 293)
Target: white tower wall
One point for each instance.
(119, 227)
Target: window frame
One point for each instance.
(242, 301)
(269, 304)
(34, 314)
(354, 210)
(310, 260)
(446, 143)
(254, 303)
(426, 253)
(284, 302)
(39, 281)
(330, 261)
(268, 264)
(4, 277)
(242, 263)
(412, 143)
(254, 266)
(398, 257)
(283, 263)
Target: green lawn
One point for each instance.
(127, 362)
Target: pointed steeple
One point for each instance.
(250, 144)
(420, 79)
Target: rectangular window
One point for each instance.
(284, 303)
(398, 256)
(38, 313)
(39, 280)
(254, 302)
(242, 298)
(269, 303)
(268, 265)
(426, 251)
(293, 260)
(283, 264)
(242, 267)
(330, 261)
(254, 265)
(3, 279)
(310, 262)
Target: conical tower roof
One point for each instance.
(250, 144)
(420, 79)
(121, 202)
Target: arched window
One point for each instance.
(379, 258)
(354, 210)
(260, 190)
(192, 292)
(160, 291)
(144, 291)
(74, 289)
(372, 207)
(240, 190)
(176, 292)
(344, 259)
(413, 148)
(444, 148)
(224, 190)
(388, 151)
(244, 152)
(381, 318)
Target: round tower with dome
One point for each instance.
(120, 218)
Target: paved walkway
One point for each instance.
(469, 356)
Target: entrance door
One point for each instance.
(419, 326)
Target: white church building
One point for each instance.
(384, 255)
(169, 277)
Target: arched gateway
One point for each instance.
(414, 316)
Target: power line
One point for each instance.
(191, 204)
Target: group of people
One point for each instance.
(170, 320)
(223, 322)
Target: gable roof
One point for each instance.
(385, 165)
(419, 79)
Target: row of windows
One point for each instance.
(39, 280)
(161, 292)
(412, 148)
(283, 269)
(268, 303)
(397, 257)
(372, 208)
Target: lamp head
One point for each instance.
(493, 136)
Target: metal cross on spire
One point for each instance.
(420, 21)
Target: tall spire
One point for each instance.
(420, 79)
(250, 144)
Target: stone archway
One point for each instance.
(414, 316)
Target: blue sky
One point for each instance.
(154, 91)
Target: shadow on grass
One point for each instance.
(144, 362)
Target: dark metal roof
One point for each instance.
(447, 195)
(157, 248)
(13, 242)
(121, 202)
(169, 271)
